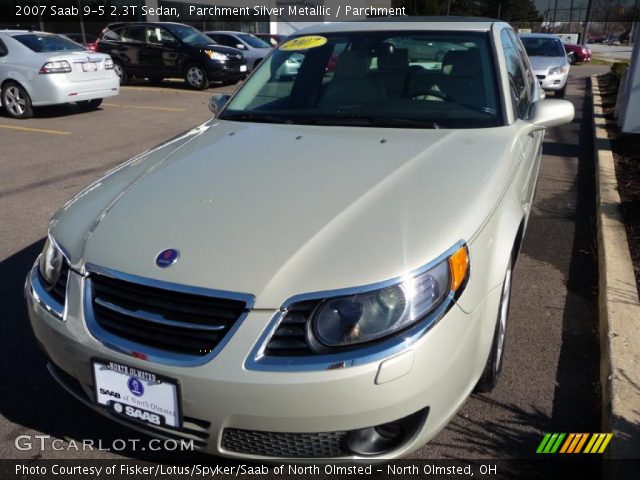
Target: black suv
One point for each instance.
(158, 50)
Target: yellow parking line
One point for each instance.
(143, 107)
(35, 130)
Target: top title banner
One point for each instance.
(278, 10)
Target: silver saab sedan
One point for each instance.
(38, 68)
(322, 270)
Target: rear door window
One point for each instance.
(114, 35)
(134, 33)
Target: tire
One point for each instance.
(561, 93)
(491, 374)
(16, 100)
(196, 77)
(573, 58)
(90, 104)
(121, 72)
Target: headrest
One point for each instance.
(398, 60)
(461, 63)
(352, 64)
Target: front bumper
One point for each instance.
(437, 372)
(54, 89)
(225, 71)
(555, 81)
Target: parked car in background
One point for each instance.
(577, 53)
(254, 48)
(38, 68)
(596, 39)
(89, 41)
(549, 61)
(272, 39)
(157, 50)
(613, 39)
(322, 271)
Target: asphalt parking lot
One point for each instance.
(550, 377)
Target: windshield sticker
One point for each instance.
(304, 43)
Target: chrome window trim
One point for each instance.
(367, 353)
(131, 348)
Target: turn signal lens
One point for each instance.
(459, 266)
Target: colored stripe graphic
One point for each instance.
(574, 443)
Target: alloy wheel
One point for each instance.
(14, 101)
(195, 76)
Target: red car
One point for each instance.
(577, 53)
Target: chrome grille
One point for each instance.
(162, 318)
(289, 445)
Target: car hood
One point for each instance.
(543, 64)
(278, 210)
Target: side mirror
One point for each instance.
(217, 103)
(551, 113)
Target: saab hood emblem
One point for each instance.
(167, 257)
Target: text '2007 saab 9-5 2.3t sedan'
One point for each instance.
(323, 269)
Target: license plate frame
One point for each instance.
(89, 67)
(152, 381)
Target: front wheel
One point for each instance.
(196, 77)
(90, 104)
(492, 369)
(573, 58)
(16, 100)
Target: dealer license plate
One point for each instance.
(89, 66)
(243, 68)
(137, 394)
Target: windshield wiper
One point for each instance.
(368, 121)
(254, 117)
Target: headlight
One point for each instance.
(372, 315)
(216, 56)
(557, 70)
(51, 262)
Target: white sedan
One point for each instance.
(320, 272)
(38, 68)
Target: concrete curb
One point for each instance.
(618, 302)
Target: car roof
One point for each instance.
(451, 23)
(231, 32)
(11, 33)
(124, 24)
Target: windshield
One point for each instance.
(543, 47)
(190, 35)
(48, 43)
(387, 79)
(253, 41)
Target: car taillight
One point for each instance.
(61, 66)
(108, 64)
(92, 46)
